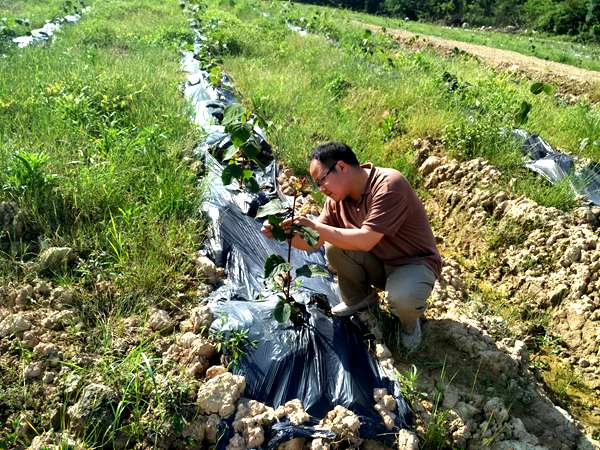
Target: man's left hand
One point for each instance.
(305, 222)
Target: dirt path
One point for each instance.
(569, 79)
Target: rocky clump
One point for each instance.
(294, 410)
(14, 324)
(407, 440)
(249, 420)
(343, 422)
(56, 258)
(200, 319)
(208, 271)
(160, 321)
(219, 395)
(95, 408)
(51, 440)
(385, 405)
(194, 352)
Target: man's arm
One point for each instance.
(358, 239)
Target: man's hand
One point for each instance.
(267, 229)
(305, 222)
(297, 241)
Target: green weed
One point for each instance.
(506, 233)
(233, 344)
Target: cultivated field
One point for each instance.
(104, 338)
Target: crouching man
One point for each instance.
(376, 235)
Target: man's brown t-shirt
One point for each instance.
(389, 205)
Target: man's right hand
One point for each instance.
(267, 228)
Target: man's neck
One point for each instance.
(361, 176)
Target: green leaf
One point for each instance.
(310, 236)
(548, 89)
(282, 311)
(215, 76)
(277, 230)
(271, 263)
(274, 281)
(230, 153)
(233, 113)
(521, 116)
(537, 88)
(231, 172)
(275, 206)
(311, 271)
(251, 148)
(252, 185)
(240, 132)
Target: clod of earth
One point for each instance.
(160, 321)
(94, 409)
(249, 420)
(208, 271)
(294, 410)
(56, 258)
(194, 352)
(343, 422)
(220, 394)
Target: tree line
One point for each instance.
(578, 18)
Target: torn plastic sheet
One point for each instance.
(48, 30)
(583, 175)
(323, 362)
(301, 31)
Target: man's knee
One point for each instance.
(407, 302)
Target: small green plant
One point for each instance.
(525, 107)
(505, 234)
(436, 433)
(409, 384)
(338, 86)
(278, 270)
(233, 344)
(28, 173)
(393, 125)
(244, 153)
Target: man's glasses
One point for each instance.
(321, 180)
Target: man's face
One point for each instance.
(328, 178)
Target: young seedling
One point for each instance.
(278, 271)
(244, 153)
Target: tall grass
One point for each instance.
(94, 135)
(341, 82)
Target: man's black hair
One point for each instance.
(332, 152)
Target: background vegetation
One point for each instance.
(577, 18)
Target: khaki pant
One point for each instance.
(407, 286)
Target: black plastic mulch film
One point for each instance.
(583, 175)
(325, 361)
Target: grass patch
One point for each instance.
(93, 153)
(347, 84)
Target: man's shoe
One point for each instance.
(343, 310)
(412, 341)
